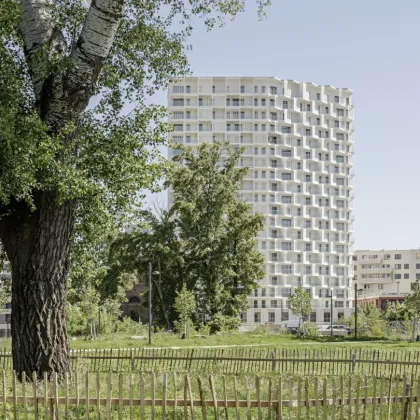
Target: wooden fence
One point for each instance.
(244, 360)
(131, 396)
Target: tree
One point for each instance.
(207, 239)
(72, 157)
(217, 231)
(300, 303)
(185, 305)
(412, 301)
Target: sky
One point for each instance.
(369, 46)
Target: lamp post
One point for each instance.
(398, 287)
(150, 301)
(355, 310)
(331, 314)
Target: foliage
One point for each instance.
(217, 230)
(308, 330)
(396, 312)
(412, 301)
(300, 303)
(186, 306)
(207, 240)
(370, 322)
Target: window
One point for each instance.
(308, 269)
(327, 316)
(397, 276)
(273, 303)
(273, 90)
(340, 112)
(286, 269)
(274, 281)
(255, 89)
(274, 163)
(262, 89)
(271, 317)
(336, 99)
(308, 247)
(200, 101)
(177, 102)
(286, 199)
(242, 89)
(397, 256)
(380, 286)
(286, 153)
(179, 127)
(274, 233)
(286, 246)
(274, 256)
(274, 186)
(285, 316)
(286, 130)
(255, 102)
(286, 223)
(406, 276)
(286, 176)
(308, 224)
(318, 96)
(417, 266)
(285, 105)
(286, 292)
(255, 303)
(406, 266)
(188, 89)
(257, 317)
(307, 155)
(308, 131)
(263, 102)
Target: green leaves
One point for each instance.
(300, 303)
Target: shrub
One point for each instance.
(307, 330)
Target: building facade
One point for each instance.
(298, 140)
(385, 276)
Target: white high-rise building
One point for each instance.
(298, 140)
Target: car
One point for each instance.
(338, 330)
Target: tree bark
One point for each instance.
(38, 245)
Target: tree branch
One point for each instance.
(42, 40)
(91, 49)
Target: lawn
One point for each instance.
(233, 339)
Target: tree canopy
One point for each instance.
(78, 139)
(207, 239)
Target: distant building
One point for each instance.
(134, 308)
(298, 140)
(385, 276)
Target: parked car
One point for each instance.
(338, 330)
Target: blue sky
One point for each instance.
(370, 46)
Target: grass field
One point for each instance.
(233, 339)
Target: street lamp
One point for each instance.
(331, 314)
(356, 291)
(150, 300)
(398, 287)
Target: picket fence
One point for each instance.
(150, 396)
(245, 360)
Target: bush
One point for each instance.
(128, 326)
(307, 330)
(222, 323)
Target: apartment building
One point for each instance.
(386, 275)
(298, 140)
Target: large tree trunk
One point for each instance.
(37, 240)
(38, 245)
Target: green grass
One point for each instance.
(235, 339)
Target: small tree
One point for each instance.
(186, 306)
(412, 302)
(300, 303)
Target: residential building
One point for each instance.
(385, 276)
(298, 140)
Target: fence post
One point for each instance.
(273, 361)
(353, 361)
(407, 394)
(132, 359)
